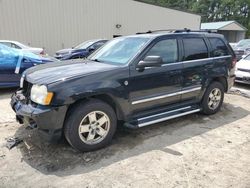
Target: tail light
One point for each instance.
(234, 61)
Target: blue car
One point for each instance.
(82, 50)
(13, 62)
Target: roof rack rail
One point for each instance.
(196, 31)
(177, 31)
(155, 31)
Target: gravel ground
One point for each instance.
(192, 151)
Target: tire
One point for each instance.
(82, 132)
(210, 97)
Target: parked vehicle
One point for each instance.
(140, 80)
(82, 50)
(20, 46)
(242, 48)
(243, 70)
(233, 45)
(13, 62)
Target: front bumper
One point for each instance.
(48, 120)
(242, 77)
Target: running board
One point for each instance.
(157, 118)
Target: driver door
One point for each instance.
(156, 87)
(8, 62)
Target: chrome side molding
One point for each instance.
(166, 95)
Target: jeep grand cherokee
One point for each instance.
(139, 80)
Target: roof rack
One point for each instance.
(155, 31)
(195, 31)
(177, 31)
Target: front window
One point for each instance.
(120, 50)
(167, 49)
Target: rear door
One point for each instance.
(196, 63)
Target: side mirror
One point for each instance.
(150, 61)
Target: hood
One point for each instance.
(63, 51)
(60, 71)
(46, 59)
(243, 64)
(78, 50)
(69, 50)
(238, 49)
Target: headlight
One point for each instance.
(40, 95)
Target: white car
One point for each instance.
(18, 45)
(243, 70)
(233, 44)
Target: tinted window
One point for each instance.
(98, 44)
(218, 47)
(195, 48)
(166, 49)
(15, 46)
(6, 43)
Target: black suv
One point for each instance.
(138, 80)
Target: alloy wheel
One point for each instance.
(94, 127)
(214, 98)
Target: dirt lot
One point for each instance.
(193, 151)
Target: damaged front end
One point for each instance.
(48, 119)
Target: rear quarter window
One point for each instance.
(195, 48)
(219, 48)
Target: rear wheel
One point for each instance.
(213, 98)
(90, 125)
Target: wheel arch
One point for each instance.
(222, 80)
(102, 97)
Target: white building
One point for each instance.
(232, 30)
(56, 24)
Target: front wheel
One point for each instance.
(213, 98)
(90, 125)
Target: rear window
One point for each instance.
(219, 48)
(195, 48)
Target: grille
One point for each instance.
(244, 70)
(26, 89)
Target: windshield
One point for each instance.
(244, 43)
(23, 46)
(84, 45)
(247, 57)
(120, 50)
